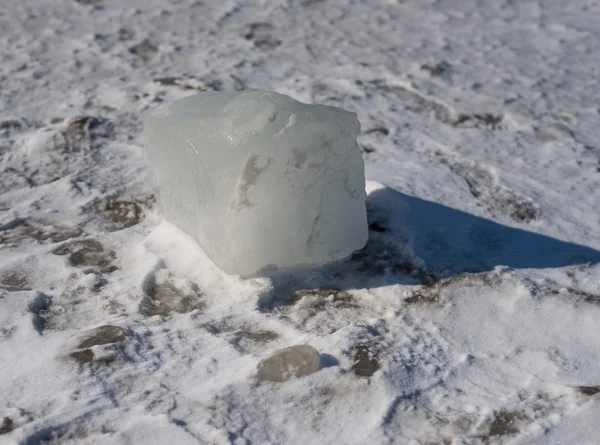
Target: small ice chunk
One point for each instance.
(260, 180)
(295, 361)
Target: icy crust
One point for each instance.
(260, 180)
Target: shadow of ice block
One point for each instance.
(260, 180)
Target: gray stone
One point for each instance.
(103, 335)
(295, 361)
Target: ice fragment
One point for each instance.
(259, 179)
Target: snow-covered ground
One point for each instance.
(471, 317)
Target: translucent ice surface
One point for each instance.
(259, 179)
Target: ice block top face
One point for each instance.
(259, 179)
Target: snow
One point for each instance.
(260, 180)
(471, 315)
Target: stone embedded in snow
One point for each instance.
(260, 180)
(100, 336)
(295, 361)
(103, 335)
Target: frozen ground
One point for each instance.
(471, 317)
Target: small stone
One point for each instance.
(295, 361)
(589, 390)
(365, 363)
(103, 335)
(119, 215)
(88, 253)
(84, 356)
(144, 50)
(7, 425)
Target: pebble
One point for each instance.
(293, 362)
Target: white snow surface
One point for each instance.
(471, 316)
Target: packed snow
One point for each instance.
(470, 316)
(259, 179)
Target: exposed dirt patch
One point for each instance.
(98, 345)
(15, 281)
(6, 333)
(84, 356)
(315, 300)
(506, 423)
(431, 293)
(483, 186)
(418, 103)
(54, 151)
(10, 128)
(313, 308)
(89, 253)
(382, 255)
(241, 335)
(103, 335)
(182, 83)
(489, 120)
(84, 132)
(164, 299)
(119, 215)
(261, 337)
(585, 296)
(261, 34)
(145, 50)
(7, 425)
(365, 361)
(245, 339)
(441, 69)
(38, 231)
(125, 34)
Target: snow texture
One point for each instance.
(259, 179)
(471, 315)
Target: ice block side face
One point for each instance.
(259, 179)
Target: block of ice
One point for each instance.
(259, 179)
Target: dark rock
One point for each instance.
(125, 34)
(103, 335)
(88, 253)
(83, 356)
(7, 425)
(119, 215)
(504, 423)
(144, 50)
(39, 309)
(365, 362)
(164, 299)
(589, 390)
(261, 34)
